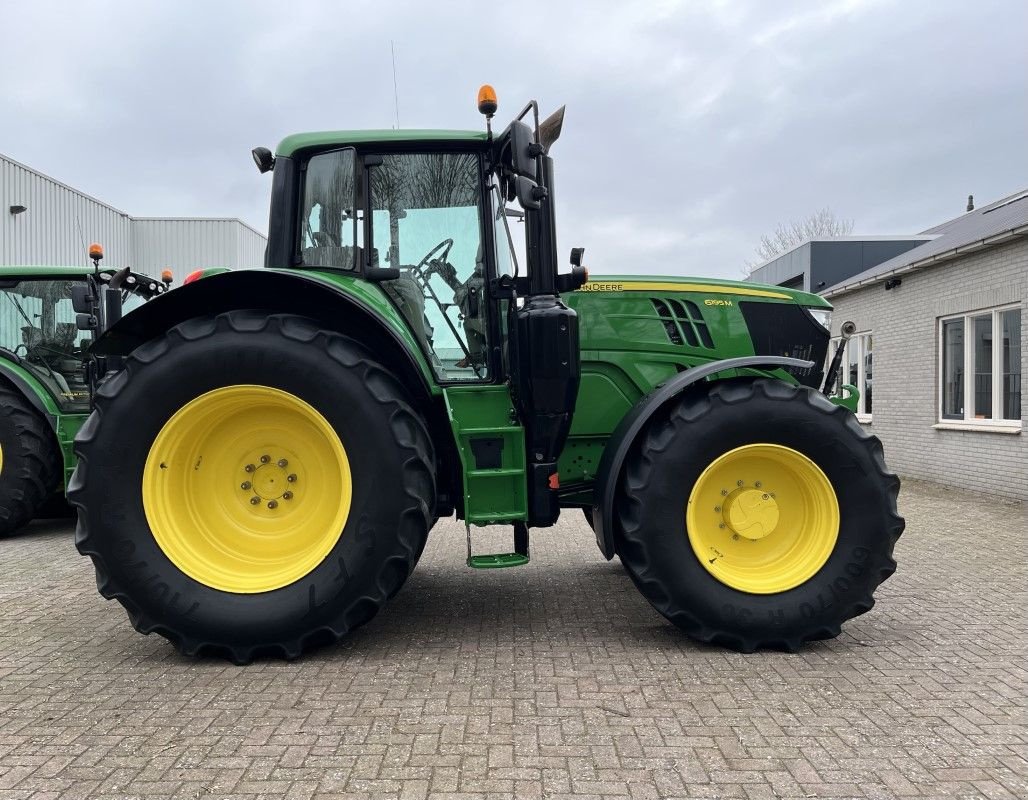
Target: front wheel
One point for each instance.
(252, 485)
(758, 514)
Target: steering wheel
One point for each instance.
(444, 246)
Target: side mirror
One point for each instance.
(82, 299)
(530, 194)
(523, 150)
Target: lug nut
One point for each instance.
(757, 484)
(287, 495)
(283, 463)
(249, 468)
(724, 493)
(273, 504)
(735, 536)
(245, 485)
(291, 478)
(738, 483)
(717, 508)
(722, 525)
(265, 459)
(254, 501)
(765, 496)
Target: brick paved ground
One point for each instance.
(556, 679)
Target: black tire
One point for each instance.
(682, 441)
(30, 471)
(391, 510)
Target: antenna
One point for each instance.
(396, 94)
(78, 224)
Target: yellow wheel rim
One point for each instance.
(762, 518)
(247, 489)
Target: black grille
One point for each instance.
(783, 329)
(683, 323)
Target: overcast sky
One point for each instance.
(692, 127)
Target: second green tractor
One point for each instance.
(263, 472)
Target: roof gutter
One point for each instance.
(946, 255)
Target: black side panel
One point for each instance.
(545, 383)
(614, 454)
(785, 329)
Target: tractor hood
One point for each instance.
(712, 286)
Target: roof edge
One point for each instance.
(997, 239)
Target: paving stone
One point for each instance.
(552, 680)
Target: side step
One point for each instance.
(518, 558)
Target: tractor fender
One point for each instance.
(349, 306)
(32, 390)
(616, 451)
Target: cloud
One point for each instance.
(691, 129)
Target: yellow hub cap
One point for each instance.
(762, 518)
(247, 489)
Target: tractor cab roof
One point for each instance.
(30, 271)
(297, 142)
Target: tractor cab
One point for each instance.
(41, 331)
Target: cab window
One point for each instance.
(426, 221)
(327, 214)
(37, 325)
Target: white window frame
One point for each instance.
(969, 422)
(856, 340)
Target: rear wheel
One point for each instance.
(267, 486)
(30, 464)
(758, 514)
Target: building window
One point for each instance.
(856, 370)
(980, 368)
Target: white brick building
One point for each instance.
(940, 351)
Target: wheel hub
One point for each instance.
(268, 480)
(751, 513)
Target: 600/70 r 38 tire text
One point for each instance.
(251, 485)
(757, 514)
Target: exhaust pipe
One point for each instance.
(847, 330)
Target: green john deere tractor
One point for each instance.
(263, 473)
(44, 384)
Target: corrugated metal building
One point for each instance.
(46, 222)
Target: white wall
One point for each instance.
(904, 323)
(60, 222)
(184, 245)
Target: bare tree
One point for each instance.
(786, 236)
